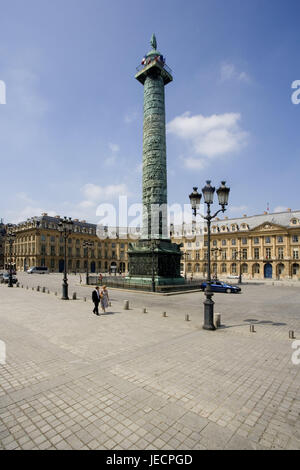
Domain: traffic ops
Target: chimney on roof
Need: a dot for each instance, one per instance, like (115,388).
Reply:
(83,221)
(44,214)
(265,213)
(76,220)
(289,210)
(57,217)
(244,215)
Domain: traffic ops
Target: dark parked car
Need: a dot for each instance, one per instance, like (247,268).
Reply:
(6,278)
(218,286)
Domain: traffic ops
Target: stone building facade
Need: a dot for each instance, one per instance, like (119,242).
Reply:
(39,243)
(2,243)
(265,246)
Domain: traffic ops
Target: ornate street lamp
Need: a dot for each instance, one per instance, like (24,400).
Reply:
(195,199)
(87,244)
(11,239)
(65,227)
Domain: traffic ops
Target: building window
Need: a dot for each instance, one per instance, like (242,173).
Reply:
(233,268)
(256,253)
(223,268)
(268,239)
(43,249)
(214,242)
(280,239)
(295,238)
(280,253)
(52,263)
(295,269)
(52,251)
(43,263)
(224,242)
(244,241)
(268,253)
(234,254)
(52,239)
(256,269)
(256,240)
(295,253)
(78,264)
(233,241)
(197,255)
(224,254)
(69,251)
(205,243)
(43,238)
(245,253)
(245,268)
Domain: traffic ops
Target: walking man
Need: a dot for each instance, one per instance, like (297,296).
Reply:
(96,300)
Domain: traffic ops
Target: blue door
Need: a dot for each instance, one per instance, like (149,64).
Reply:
(93,267)
(268,271)
(61,265)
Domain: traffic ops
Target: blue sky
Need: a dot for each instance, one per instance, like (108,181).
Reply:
(71,128)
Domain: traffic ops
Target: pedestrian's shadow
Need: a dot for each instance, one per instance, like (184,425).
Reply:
(109,313)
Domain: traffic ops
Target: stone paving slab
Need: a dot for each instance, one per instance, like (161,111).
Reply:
(128,380)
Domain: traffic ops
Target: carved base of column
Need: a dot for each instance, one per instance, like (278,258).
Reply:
(163,261)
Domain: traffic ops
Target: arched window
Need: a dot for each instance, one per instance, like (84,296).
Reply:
(224,268)
(244,268)
(233,268)
(295,269)
(197,268)
(256,268)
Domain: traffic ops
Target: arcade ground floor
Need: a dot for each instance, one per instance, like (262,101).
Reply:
(255,269)
(279,269)
(73,265)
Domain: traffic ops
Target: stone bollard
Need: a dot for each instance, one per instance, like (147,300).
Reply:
(22,286)
(292,334)
(74,296)
(26,287)
(217,320)
(38,289)
(144,310)
(126,304)
(187,317)
(48,291)
(18,284)
(84,299)
(32,288)
(164,314)
(44,290)
(55,293)
(252,330)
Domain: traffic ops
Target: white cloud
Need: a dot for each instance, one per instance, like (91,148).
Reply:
(97,194)
(229,72)
(114,147)
(210,137)
(280,209)
(131,117)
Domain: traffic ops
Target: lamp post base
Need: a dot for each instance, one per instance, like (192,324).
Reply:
(208,312)
(65,292)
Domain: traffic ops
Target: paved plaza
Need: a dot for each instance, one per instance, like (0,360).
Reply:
(133,380)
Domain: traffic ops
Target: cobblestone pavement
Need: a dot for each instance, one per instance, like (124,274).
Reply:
(129,380)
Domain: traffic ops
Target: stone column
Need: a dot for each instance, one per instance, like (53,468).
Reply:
(154,158)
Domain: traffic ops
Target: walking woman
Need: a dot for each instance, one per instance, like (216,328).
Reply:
(104,298)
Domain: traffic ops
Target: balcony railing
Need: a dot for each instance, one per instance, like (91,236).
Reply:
(164,66)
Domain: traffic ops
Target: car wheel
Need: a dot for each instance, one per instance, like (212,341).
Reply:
(228,291)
